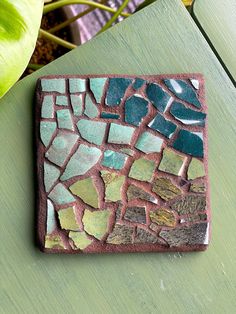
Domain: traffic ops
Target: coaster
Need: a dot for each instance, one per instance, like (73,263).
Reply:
(122,163)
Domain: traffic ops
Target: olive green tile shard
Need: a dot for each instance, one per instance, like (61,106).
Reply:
(53,241)
(47,110)
(47,129)
(92,131)
(121,234)
(197,187)
(113,185)
(189,204)
(195,169)
(97,87)
(77,85)
(51,219)
(82,161)
(61,147)
(67,219)
(114,160)
(135,192)
(80,239)
(163,217)
(171,162)
(96,223)
(127,151)
(51,174)
(165,188)
(61,100)
(120,134)
(142,169)
(64,119)
(54,85)
(60,195)
(77,104)
(144,236)
(91,109)
(136,214)
(86,190)
(149,143)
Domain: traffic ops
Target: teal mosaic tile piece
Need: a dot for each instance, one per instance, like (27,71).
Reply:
(61,100)
(54,85)
(109,115)
(158,96)
(51,219)
(60,195)
(97,87)
(47,129)
(149,143)
(51,174)
(77,104)
(91,109)
(114,160)
(138,83)
(116,90)
(120,134)
(64,119)
(81,162)
(77,85)
(183,91)
(162,125)
(92,131)
(61,147)
(47,110)
(186,115)
(136,108)
(190,143)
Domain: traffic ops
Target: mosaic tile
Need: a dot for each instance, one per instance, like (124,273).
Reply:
(121,164)
(136,108)
(162,125)
(183,91)
(149,143)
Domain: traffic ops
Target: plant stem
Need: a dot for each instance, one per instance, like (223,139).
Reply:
(56,5)
(114,17)
(34,66)
(56,39)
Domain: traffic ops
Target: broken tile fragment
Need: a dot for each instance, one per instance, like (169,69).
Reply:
(114,160)
(121,234)
(51,219)
(197,187)
(127,151)
(77,85)
(113,185)
(135,192)
(135,214)
(96,223)
(97,87)
(77,104)
(47,110)
(64,119)
(109,115)
(186,115)
(47,129)
(136,108)
(165,188)
(54,85)
(60,195)
(120,134)
(162,125)
(195,83)
(196,217)
(116,90)
(195,169)
(53,241)
(163,217)
(61,147)
(91,109)
(144,236)
(190,143)
(142,169)
(149,143)
(171,162)
(67,219)
(86,190)
(61,100)
(80,239)
(51,174)
(82,161)
(92,131)
(158,96)
(138,83)
(189,204)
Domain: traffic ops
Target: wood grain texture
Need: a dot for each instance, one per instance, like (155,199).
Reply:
(218,20)
(159,39)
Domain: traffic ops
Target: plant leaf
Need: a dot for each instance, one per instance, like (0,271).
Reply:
(19,25)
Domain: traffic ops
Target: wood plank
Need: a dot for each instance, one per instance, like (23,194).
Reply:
(162,38)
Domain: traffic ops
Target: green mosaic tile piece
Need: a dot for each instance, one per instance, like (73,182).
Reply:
(47,110)
(86,190)
(149,143)
(60,195)
(67,219)
(51,219)
(91,109)
(120,134)
(61,147)
(145,236)
(80,239)
(114,160)
(142,169)
(113,185)
(121,234)
(54,85)
(135,192)
(81,162)
(96,223)
(138,83)
(165,188)
(197,187)
(162,125)
(158,96)
(136,108)
(195,169)
(127,151)
(190,143)
(171,162)
(51,174)
(64,119)
(92,131)
(77,85)
(186,115)
(116,90)
(97,87)
(135,214)
(109,115)
(47,129)
(61,100)
(77,104)
(163,217)
(53,241)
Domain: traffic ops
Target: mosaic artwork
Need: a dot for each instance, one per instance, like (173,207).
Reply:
(122,163)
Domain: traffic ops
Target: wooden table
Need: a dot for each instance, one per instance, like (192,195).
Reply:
(163,38)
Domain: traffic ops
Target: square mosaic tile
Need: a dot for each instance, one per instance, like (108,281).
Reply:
(122,163)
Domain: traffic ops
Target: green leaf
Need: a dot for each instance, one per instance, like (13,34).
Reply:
(19,25)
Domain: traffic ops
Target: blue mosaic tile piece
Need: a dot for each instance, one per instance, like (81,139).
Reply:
(183,91)
(149,143)
(190,143)
(186,115)
(136,108)
(160,124)
(62,100)
(109,115)
(120,134)
(47,129)
(159,98)
(77,85)
(138,83)
(91,109)
(64,119)
(77,104)
(54,85)
(97,87)
(114,160)
(47,110)
(92,131)
(116,90)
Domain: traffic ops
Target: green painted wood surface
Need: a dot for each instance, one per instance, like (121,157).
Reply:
(159,39)
(218,20)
